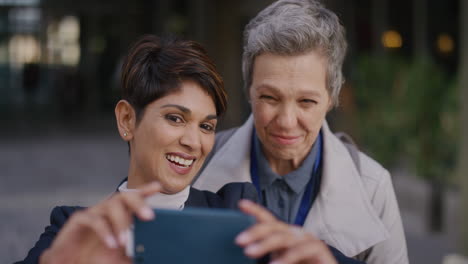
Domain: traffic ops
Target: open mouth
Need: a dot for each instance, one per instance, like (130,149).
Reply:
(179,161)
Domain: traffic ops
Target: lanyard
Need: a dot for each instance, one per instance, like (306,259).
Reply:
(307,196)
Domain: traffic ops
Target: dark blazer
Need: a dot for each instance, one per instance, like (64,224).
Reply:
(226,197)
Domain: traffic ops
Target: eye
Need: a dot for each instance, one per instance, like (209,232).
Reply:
(308,102)
(268,98)
(209,128)
(174,118)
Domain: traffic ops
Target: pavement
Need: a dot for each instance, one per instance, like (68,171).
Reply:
(81,163)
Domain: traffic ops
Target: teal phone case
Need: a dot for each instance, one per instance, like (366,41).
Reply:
(193,235)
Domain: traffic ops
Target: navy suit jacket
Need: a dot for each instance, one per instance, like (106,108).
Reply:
(226,197)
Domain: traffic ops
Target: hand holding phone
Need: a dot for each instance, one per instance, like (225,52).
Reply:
(194,235)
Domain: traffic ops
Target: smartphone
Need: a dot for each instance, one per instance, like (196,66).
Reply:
(193,235)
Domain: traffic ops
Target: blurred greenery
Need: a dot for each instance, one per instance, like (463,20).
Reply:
(407,112)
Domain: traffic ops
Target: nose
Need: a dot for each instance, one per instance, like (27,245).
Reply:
(287,117)
(191,138)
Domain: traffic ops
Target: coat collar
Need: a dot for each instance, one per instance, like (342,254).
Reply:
(342,213)
(231,162)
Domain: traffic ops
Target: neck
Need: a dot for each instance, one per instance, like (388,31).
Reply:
(133,181)
(282,166)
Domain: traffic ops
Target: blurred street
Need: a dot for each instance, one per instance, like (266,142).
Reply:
(47,165)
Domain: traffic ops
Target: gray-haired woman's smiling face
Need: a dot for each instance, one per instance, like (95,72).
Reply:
(289,103)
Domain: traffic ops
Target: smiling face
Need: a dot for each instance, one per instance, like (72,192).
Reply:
(171,141)
(289,103)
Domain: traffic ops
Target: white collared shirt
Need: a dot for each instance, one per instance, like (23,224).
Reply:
(174,201)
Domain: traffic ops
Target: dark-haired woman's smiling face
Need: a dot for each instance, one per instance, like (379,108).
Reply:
(173,138)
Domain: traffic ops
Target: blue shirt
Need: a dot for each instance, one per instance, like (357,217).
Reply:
(283,194)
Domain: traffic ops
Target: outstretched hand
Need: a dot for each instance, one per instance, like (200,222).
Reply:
(286,243)
(99,234)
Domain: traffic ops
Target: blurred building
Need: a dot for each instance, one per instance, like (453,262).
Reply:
(62,56)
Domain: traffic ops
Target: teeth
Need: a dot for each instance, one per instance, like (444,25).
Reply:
(179,160)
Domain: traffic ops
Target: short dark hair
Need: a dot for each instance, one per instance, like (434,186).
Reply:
(155,67)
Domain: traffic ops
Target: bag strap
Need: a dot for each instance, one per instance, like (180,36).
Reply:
(352,149)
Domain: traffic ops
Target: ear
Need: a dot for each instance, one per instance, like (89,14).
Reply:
(331,105)
(126,119)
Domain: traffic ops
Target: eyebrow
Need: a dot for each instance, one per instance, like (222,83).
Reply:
(276,90)
(188,111)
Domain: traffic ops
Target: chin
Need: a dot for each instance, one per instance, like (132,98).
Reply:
(174,188)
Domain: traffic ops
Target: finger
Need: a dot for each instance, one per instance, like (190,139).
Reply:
(98,225)
(258,232)
(259,212)
(273,243)
(120,218)
(135,202)
(313,252)
(285,236)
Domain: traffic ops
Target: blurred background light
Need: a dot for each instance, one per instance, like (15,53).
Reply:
(63,38)
(392,39)
(19,2)
(69,29)
(24,49)
(445,43)
(70,55)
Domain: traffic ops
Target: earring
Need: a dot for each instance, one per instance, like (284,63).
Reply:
(125,134)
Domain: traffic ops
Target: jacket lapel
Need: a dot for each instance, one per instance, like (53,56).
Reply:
(231,162)
(342,213)
(195,199)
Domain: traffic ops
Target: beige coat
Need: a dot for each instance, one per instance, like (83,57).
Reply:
(353,211)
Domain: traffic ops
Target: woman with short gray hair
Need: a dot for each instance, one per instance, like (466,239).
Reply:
(296,27)
(293,56)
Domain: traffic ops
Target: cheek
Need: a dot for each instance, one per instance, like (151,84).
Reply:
(312,120)
(207,143)
(262,114)
(165,134)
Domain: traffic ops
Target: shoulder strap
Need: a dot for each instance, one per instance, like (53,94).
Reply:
(352,149)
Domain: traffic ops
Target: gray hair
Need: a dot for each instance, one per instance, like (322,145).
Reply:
(294,27)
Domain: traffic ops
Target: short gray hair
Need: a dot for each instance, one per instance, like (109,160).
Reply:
(294,27)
